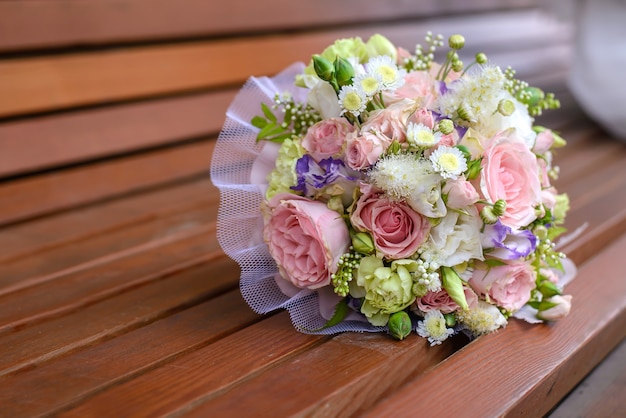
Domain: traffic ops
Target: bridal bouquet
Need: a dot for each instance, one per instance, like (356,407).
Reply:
(379,190)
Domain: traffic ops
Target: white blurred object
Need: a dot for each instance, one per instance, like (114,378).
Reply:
(599,65)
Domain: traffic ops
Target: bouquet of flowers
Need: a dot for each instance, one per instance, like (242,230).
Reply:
(377,190)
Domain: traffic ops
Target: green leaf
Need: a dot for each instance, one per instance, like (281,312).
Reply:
(258,122)
(494,263)
(268,113)
(453,284)
(341,310)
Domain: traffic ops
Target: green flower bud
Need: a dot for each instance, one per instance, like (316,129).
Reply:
(499,207)
(487,215)
(481,58)
(450,319)
(456,41)
(400,325)
(548,289)
(362,242)
(540,232)
(463,113)
(451,282)
(343,71)
(506,107)
(473,169)
(394,148)
(323,68)
(532,95)
(446,126)
(457,66)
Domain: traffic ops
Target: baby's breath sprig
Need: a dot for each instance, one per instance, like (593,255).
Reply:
(297,118)
(424,56)
(348,262)
(534,98)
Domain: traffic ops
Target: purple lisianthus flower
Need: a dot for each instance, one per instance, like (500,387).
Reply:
(313,177)
(506,243)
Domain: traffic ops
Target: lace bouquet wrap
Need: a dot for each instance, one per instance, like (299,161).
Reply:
(378,190)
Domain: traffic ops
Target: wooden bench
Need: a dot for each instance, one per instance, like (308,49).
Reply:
(115,298)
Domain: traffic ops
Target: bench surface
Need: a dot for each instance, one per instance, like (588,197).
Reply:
(115,298)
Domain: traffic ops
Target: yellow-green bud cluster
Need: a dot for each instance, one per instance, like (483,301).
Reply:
(535,99)
(348,262)
(424,56)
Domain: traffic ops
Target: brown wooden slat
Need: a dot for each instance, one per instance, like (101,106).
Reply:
(209,370)
(40,343)
(66,291)
(61,81)
(561,354)
(124,357)
(51,141)
(99,250)
(36,236)
(62,189)
(36,24)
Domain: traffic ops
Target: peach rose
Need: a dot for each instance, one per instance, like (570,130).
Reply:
(305,238)
(397,230)
(387,124)
(509,285)
(510,172)
(418,86)
(326,138)
(363,151)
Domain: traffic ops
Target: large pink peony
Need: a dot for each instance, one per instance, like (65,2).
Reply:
(326,138)
(305,238)
(396,228)
(510,172)
(509,285)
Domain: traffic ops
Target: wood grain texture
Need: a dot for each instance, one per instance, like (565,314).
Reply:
(111,317)
(38,24)
(123,358)
(561,354)
(44,234)
(52,141)
(62,189)
(64,81)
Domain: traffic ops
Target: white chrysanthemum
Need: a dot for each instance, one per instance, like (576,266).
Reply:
(475,96)
(448,162)
(369,83)
(482,318)
(434,328)
(421,136)
(352,100)
(392,77)
(399,175)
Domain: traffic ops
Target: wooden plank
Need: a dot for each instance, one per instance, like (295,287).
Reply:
(88,283)
(29,197)
(63,81)
(39,235)
(37,24)
(50,141)
(96,368)
(37,344)
(542,363)
(210,370)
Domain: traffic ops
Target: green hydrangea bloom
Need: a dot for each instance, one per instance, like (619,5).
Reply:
(284,175)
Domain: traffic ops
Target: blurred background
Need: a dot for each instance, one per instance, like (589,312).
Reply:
(87,82)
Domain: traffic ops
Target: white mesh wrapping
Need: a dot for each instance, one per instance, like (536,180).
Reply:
(239,169)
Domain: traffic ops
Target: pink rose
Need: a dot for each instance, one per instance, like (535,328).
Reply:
(387,124)
(543,141)
(325,138)
(561,310)
(461,193)
(363,151)
(397,230)
(418,86)
(509,285)
(510,172)
(305,238)
(442,301)
(423,116)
